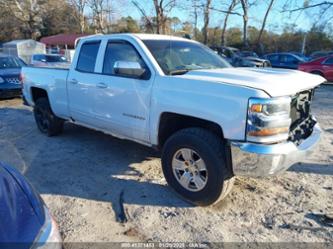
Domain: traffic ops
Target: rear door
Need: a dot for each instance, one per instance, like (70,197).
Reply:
(288,61)
(82,81)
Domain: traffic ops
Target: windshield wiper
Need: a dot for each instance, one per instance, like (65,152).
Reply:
(179,71)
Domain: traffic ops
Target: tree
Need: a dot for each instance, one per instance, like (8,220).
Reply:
(245,7)
(324,8)
(101,15)
(60,17)
(9,26)
(206,20)
(225,22)
(80,6)
(126,25)
(174,22)
(28,14)
(148,23)
(162,9)
(270,5)
(196,6)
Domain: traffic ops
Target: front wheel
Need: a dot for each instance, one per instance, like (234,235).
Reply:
(194,165)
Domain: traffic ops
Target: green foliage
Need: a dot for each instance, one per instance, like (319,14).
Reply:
(126,25)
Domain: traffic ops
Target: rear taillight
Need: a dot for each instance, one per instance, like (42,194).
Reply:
(21,78)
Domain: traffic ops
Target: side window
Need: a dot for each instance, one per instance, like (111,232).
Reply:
(87,57)
(120,51)
(329,61)
(273,57)
(284,58)
(37,58)
(288,59)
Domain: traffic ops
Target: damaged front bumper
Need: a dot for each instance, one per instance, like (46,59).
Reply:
(256,160)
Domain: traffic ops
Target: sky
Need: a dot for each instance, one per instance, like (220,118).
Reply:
(275,22)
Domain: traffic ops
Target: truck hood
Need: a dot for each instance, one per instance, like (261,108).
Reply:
(275,82)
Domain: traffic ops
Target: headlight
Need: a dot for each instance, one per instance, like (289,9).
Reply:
(2,80)
(268,120)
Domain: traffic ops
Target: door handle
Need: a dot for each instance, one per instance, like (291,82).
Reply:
(101,85)
(74,81)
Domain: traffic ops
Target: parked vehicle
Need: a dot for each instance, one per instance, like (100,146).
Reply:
(319,54)
(25,220)
(248,54)
(284,60)
(10,69)
(238,59)
(254,58)
(303,56)
(49,60)
(210,120)
(322,66)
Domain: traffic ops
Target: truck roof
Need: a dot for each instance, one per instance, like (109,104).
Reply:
(139,36)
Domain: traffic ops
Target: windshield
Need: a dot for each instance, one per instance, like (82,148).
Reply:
(55,58)
(10,62)
(179,57)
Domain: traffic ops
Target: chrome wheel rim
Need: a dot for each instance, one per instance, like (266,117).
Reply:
(189,169)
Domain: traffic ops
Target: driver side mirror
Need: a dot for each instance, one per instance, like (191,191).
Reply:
(129,69)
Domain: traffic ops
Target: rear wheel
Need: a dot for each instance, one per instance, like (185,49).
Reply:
(194,165)
(46,121)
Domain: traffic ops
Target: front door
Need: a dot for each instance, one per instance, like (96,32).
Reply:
(123,102)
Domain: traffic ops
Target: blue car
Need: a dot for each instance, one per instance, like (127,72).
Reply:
(284,60)
(25,222)
(10,69)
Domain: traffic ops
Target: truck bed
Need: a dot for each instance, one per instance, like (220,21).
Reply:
(53,81)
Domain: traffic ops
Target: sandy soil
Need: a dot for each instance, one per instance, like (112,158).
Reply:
(104,189)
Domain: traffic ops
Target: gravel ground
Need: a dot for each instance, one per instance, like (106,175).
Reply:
(100,188)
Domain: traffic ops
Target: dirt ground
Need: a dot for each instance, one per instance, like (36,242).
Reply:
(100,188)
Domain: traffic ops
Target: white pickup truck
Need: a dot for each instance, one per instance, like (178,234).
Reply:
(212,121)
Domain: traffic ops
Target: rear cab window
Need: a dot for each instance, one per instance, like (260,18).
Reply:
(87,57)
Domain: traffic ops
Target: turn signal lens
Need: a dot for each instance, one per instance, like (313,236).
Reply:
(269,132)
(256,108)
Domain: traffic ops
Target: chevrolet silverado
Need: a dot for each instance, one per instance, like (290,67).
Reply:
(211,121)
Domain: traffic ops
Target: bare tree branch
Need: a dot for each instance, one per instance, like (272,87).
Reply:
(329,3)
(229,12)
(148,22)
(206,20)
(264,21)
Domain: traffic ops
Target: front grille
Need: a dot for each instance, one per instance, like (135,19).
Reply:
(302,122)
(13,80)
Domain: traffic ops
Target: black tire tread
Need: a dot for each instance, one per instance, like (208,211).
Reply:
(217,145)
(55,124)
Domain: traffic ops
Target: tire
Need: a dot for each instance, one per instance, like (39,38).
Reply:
(46,121)
(187,177)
